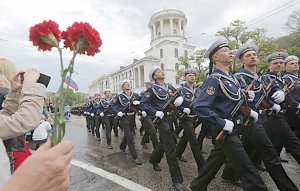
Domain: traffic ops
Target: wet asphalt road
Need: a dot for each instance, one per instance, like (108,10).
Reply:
(96,154)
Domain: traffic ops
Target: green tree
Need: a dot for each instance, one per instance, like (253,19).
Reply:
(238,34)
(198,59)
(266,47)
(293,22)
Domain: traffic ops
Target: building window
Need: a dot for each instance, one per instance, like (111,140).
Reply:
(162,66)
(161,53)
(177,81)
(175,32)
(176,66)
(130,74)
(176,52)
(186,53)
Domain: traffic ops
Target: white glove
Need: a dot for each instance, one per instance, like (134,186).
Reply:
(254,115)
(92,114)
(278,96)
(187,110)
(276,108)
(120,114)
(101,114)
(228,126)
(136,102)
(84,112)
(178,101)
(298,106)
(88,113)
(144,114)
(159,114)
(251,96)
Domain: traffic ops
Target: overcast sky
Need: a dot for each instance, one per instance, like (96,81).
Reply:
(123,27)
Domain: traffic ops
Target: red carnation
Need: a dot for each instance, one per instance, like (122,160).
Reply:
(45,35)
(82,38)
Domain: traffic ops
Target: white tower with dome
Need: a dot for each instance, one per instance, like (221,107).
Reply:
(168,43)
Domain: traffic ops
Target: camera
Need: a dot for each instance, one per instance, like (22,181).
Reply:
(44,79)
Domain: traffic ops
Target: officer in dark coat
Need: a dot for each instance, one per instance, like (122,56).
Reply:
(188,119)
(156,102)
(254,136)
(218,97)
(291,78)
(276,126)
(125,105)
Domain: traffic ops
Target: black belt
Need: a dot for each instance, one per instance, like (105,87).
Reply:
(168,113)
(131,113)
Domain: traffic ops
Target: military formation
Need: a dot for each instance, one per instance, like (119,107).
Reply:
(250,116)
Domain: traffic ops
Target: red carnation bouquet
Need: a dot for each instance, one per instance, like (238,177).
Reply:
(80,38)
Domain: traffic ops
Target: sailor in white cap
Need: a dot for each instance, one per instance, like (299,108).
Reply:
(218,97)
(188,119)
(247,54)
(107,116)
(291,78)
(125,105)
(284,135)
(156,101)
(95,119)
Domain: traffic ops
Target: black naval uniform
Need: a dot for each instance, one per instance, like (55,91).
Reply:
(108,118)
(123,103)
(96,121)
(255,138)
(218,96)
(149,129)
(188,123)
(276,126)
(153,100)
(293,101)
(86,112)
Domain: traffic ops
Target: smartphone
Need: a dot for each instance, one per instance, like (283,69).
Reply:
(22,77)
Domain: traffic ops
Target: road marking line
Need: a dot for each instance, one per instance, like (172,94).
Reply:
(110,176)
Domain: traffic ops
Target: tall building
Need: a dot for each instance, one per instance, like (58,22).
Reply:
(168,43)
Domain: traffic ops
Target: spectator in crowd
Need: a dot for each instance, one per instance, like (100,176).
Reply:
(49,168)
(40,134)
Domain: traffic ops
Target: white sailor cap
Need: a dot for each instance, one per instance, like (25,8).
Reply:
(217,45)
(291,58)
(125,81)
(152,72)
(107,90)
(245,48)
(190,71)
(275,56)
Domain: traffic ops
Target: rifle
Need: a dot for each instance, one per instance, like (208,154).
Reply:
(191,104)
(125,108)
(261,100)
(290,102)
(167,103)
(221,136)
